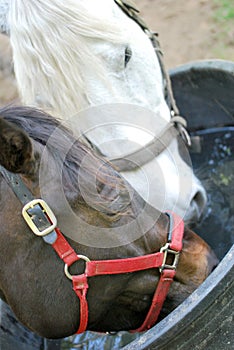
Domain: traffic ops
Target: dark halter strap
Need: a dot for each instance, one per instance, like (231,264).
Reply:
(152,149)
(18,187)
(131,11)
(42,222)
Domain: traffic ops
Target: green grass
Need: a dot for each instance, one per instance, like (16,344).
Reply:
(225,10)
(224,19)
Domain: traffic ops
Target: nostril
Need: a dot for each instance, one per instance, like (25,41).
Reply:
(197,204)
(200,201)
(199,198)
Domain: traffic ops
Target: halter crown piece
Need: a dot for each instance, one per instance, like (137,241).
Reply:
(42,222)
(129,8)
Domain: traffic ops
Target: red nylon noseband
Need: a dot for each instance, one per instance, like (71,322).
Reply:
(42,222)
(118,266)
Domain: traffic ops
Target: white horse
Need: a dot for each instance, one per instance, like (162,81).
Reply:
(88,56)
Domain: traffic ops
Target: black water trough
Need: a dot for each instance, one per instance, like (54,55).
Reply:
(204,321)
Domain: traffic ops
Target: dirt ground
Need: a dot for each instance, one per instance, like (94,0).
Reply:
(187,31)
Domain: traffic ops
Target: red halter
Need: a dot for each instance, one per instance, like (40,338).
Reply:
(118,266)
(43,223)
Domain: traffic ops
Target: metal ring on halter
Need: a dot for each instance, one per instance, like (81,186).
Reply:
(66,267)
(181,125)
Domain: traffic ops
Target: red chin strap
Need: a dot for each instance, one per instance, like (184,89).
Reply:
(119,266)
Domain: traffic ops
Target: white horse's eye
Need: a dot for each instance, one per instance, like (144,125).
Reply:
(128,55)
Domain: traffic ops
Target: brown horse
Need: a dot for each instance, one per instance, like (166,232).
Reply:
(104,218)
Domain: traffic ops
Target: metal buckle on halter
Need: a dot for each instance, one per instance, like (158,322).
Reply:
(47,217)
(166,250)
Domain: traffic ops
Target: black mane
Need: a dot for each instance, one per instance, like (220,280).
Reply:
(69,154)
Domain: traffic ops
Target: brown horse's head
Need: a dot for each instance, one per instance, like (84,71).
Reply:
(104,218)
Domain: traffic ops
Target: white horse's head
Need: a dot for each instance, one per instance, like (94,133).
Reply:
(71,55)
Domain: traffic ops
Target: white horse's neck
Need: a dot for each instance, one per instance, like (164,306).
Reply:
(74,56)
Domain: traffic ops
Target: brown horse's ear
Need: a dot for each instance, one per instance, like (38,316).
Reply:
(16,152)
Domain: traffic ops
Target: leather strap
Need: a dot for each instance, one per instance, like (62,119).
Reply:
(79,282)
(143,155)
(14,181)
(152,149)
(64,250)
(174,236)
(167,275)
(80,287)
(159,297)
(129,8)
(117,266)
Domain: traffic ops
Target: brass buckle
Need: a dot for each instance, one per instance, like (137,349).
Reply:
(46,209)
(166,250)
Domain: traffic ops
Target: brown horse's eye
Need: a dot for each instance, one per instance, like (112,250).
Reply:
(128,55)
